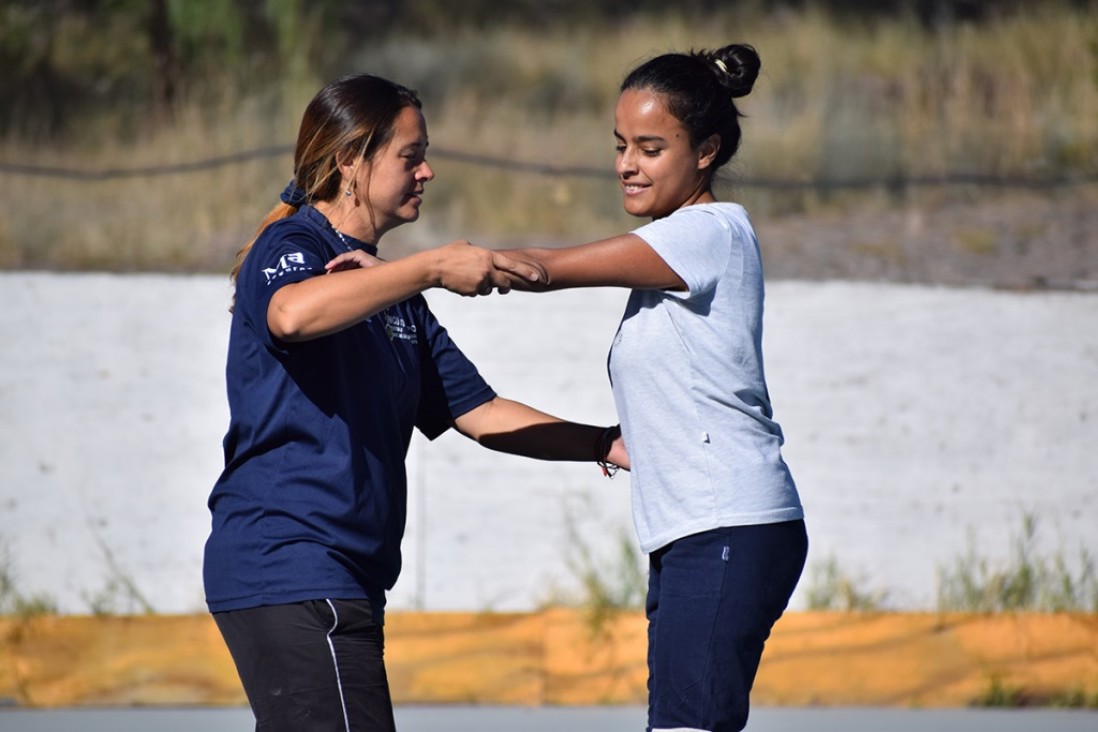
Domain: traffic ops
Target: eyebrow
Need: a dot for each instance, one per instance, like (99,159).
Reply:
(641,138)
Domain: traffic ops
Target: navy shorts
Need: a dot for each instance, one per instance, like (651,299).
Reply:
(712,599)
(311,666)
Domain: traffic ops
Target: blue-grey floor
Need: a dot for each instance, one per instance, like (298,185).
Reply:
(564,719)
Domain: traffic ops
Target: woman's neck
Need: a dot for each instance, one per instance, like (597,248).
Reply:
(346,222)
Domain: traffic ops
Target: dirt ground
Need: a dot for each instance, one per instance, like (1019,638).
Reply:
(958,237)
(558,657)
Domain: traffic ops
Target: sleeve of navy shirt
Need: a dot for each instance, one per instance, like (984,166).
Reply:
(451,384)
(290,254)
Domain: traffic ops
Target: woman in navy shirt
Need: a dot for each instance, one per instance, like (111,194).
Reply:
(330,367)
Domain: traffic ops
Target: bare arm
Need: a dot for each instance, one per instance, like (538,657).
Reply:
(320,306)
(513,427)
(620,261)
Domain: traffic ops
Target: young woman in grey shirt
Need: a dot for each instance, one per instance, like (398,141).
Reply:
(714,503)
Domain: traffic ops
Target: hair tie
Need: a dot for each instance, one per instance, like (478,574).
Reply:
(720,65)
(293,195)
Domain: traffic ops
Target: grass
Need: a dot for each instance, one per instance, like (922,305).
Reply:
(119,594)
(1027,581)
(976,241)
(999,693)
(1077,697)
(605,583)
(830,587)
(1016,96)
(13,601)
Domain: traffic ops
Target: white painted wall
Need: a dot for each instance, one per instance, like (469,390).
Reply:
(916,419)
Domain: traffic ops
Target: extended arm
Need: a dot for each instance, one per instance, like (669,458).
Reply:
(320,306)
(620,261)
(513,427)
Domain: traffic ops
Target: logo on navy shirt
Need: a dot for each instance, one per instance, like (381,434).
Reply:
(397,329)
(292,262)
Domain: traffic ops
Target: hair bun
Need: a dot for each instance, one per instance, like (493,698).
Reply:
(737,68)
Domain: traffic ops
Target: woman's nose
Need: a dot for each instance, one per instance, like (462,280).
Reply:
(624,165)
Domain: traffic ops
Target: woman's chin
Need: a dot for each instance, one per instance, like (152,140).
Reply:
(634,207)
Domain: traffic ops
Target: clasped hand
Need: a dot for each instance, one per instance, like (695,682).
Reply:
(460,267)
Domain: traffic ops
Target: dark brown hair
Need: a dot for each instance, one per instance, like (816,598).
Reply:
(699,87)
(353,115)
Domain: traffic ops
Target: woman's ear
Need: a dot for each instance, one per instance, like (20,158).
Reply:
(345,161)
(707,151)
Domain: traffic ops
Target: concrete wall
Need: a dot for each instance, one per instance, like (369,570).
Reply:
(919,422)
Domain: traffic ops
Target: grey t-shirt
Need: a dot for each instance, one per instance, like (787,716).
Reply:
(688,381)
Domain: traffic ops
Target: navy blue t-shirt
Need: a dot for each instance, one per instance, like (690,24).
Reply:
(313,498)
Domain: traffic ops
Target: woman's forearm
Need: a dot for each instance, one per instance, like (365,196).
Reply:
(620,261)
(518,429)
(329,303)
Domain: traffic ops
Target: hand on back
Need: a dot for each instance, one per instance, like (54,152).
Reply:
(357,259)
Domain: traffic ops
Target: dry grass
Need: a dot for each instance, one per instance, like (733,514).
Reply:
(1016,96)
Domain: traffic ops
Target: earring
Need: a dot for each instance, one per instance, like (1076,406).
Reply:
(347,192)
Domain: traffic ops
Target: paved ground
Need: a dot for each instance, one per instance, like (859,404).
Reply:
(504,719)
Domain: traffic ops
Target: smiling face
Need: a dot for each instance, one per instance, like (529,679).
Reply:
(659,168)
(389,187)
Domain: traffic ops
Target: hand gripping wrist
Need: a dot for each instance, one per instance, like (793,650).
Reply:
(602,450)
